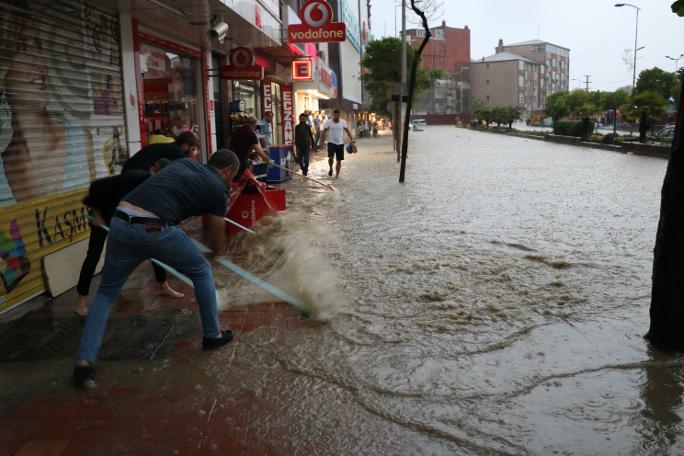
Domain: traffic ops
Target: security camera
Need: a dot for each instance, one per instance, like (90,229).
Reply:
(218,31)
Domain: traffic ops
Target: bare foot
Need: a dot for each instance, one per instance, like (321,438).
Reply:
(81,306)
(168,291)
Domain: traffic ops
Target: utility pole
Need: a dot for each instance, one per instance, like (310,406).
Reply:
(586,82)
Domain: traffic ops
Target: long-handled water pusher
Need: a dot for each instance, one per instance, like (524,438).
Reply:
(278,293)
(305,177)
(244,228)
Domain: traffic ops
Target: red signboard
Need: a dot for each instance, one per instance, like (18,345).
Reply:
(288,114)
(302,70)
(241,66)
(317,25)
(268,97)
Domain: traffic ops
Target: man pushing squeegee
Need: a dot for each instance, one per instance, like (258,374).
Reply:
(144,226)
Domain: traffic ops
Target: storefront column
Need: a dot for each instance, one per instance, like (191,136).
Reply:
(130,91)
(209,105)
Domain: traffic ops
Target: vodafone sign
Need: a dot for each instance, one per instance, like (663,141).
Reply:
(241,66)
(317,25)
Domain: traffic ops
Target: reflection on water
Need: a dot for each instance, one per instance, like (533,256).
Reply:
(661,393)
(493,303)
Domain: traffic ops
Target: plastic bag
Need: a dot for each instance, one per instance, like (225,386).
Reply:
(351,148)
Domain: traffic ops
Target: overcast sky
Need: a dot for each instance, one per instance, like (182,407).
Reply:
(595,31)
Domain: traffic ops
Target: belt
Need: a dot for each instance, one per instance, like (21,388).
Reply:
(142,220)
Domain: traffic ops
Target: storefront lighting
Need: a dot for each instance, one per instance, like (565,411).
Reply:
(317,94)
(302,70)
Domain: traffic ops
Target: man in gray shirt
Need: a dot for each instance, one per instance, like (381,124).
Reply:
(144,226)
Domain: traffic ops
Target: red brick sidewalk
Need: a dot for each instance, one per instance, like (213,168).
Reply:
(141,408)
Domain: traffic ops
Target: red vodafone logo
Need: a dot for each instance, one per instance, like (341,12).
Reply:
(317,25)
(241,57)
(241,66)
(316,13)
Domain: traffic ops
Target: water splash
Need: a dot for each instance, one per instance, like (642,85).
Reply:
(286,253)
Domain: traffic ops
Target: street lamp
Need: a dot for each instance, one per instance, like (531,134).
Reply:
(677,59)
(636,34)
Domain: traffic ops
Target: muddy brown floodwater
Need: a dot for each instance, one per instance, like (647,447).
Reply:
(494,303)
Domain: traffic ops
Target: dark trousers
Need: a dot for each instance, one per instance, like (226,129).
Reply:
(303,157)
(98,236)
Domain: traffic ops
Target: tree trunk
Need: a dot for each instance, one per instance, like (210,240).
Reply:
(396,131)
(667,296)
(643,127)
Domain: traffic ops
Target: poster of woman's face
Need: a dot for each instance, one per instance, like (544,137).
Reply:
(58,107)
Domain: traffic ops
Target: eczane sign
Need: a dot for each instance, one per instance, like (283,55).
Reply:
(317,25)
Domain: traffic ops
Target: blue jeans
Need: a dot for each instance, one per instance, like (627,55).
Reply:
(128,246)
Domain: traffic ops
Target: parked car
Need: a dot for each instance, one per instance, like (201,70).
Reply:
(666,131)
(417,124)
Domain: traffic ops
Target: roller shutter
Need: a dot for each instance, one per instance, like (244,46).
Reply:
(61,125)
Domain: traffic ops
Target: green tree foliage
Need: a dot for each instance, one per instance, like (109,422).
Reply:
(646,107)
(510,115)
(382,64)
(557,105)
(678,8)
(613,100)
(499,115)
(484,114)
(659,81)
(581,103)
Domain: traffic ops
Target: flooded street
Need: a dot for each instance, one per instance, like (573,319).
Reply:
(494,303)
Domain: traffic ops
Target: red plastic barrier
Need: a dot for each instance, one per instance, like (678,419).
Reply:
(250,207)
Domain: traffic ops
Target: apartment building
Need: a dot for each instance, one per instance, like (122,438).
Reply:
(522,75)
(448,50)
(554,61)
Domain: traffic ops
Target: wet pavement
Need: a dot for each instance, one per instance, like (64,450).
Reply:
(493,304)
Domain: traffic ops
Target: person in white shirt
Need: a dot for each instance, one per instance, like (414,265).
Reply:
(336,127)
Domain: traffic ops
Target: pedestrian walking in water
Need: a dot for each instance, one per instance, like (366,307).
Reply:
(336,128)
(317,131)
(144,226)
(102,199)
(304,141)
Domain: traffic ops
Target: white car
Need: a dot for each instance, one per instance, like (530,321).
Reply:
(416,124)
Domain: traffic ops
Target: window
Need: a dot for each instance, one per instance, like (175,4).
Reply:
(170,90)
(521,81)
(521,65)
(487,66)
(487,81)
(487,97)
(521,98)
(420,33)
(438,34)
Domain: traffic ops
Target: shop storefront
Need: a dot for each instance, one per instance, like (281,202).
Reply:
(273,101)
(169,76)
(61,95)
(323,86)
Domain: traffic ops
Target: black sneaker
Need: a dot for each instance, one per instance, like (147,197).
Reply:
(330,172)
(84,377)
(211,343)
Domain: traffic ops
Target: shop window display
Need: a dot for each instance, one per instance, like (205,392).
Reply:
(170,92)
